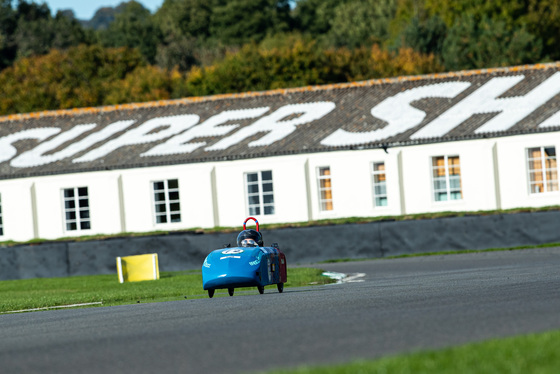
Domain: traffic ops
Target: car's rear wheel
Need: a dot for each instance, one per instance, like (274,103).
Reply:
(230,291)
(261,289)
(211,292)
(280,287)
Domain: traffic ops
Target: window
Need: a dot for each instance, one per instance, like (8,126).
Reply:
(446,174)
(325,189)
(379,184)
(166,201)
(1,222)
(543,172)
(260,194)
(76,209)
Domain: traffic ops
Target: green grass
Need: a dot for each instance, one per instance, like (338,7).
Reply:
(50,292)
(535,353)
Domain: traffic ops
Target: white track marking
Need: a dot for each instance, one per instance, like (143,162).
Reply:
(53,307)
(345,278)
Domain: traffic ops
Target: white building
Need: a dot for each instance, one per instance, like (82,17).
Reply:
(467,141)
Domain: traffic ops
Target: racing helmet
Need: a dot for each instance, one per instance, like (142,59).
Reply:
(250,238)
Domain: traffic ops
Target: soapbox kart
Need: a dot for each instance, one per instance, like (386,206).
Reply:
(244,266)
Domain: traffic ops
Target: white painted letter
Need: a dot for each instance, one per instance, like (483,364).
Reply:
(36,157)
(398,113)
(273,124)
(511,109)
(143,134)
(210,127)
(7,150)
(553,120)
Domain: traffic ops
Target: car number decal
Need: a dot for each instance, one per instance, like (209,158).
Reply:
(232,251)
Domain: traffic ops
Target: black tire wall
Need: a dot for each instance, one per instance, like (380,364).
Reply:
(184,251)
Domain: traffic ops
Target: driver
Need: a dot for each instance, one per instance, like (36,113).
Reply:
(250,238)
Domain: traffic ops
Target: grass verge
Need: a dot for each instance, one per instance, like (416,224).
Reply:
(457,252)
(35,293)
(534,353)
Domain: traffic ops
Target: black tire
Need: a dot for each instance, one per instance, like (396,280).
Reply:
(280,287)
(261,289)
(211,292)
(230,291)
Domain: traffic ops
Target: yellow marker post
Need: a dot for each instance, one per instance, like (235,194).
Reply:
(138,268)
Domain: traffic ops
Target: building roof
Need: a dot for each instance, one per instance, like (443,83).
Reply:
(370,114)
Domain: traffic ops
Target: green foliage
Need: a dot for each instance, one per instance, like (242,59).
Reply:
(487,43)
(178,51)
(425,36)
(185,29)
(8,24)
(296,64)
(299,61)
(147,83)
(81,76)
(218,46)
(31,30)
(236,22)
(190,18)
(543,21)
(133,27)
(358,23)
(314,16)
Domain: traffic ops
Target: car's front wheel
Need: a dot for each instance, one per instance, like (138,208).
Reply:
(211,292)
(280,287)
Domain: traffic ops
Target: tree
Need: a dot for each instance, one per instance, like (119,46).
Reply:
(488,43)
(375,62)
(185,28)
(177,51)
(357,23)
(102,18)
(425,36)
(236,22)
(314,16)
(31,30)
(133,27)
(68,32)
(188,18)
(543,21)
(8,23)
(146,83)
(295,61)
(79,77)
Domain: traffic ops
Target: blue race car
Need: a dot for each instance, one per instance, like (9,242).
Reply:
(250,264)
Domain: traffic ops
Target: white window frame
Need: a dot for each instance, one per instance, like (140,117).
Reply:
(1,218)
(260,207)
(548,183)
(82,223)
(447,178)
(374,174)
(171,216)
(325,204)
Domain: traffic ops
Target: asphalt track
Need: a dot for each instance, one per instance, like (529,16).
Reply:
(397,306)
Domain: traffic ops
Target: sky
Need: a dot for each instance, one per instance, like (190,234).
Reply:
(85,9)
